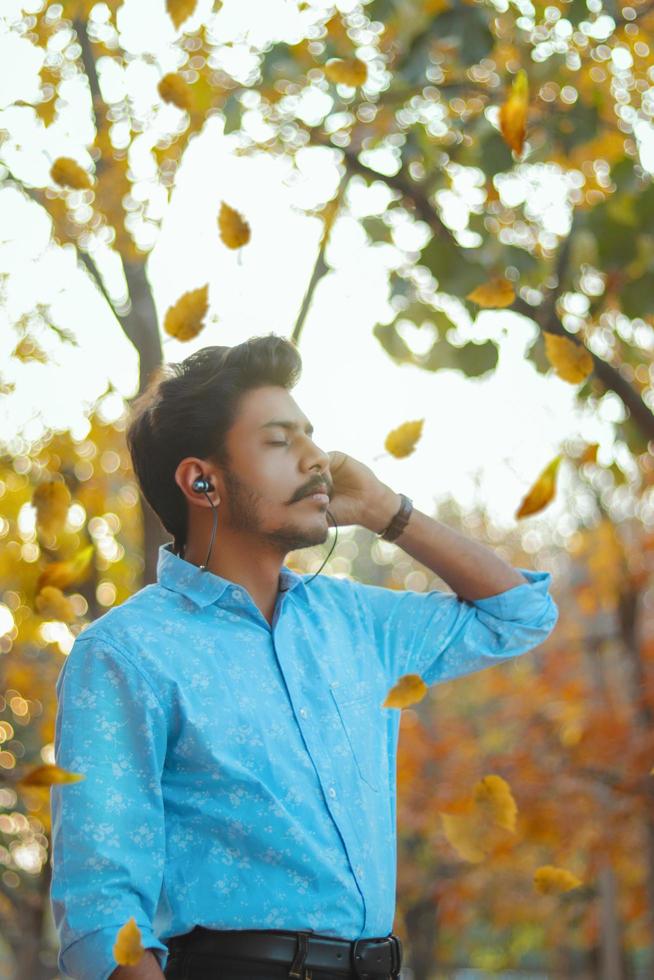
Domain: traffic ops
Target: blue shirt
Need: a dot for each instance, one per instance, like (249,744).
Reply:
(241,775)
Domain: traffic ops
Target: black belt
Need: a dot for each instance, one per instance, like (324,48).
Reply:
(301,951)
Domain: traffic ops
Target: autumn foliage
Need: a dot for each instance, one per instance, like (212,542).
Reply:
(526,793)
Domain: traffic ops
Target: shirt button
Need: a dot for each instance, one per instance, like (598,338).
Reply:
(237,594)
(303,712)
(331,791)
(360,871)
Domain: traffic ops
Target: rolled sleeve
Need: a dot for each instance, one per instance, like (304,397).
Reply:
(441,636)
(108,837)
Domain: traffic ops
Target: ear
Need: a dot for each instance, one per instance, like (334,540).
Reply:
(190,469)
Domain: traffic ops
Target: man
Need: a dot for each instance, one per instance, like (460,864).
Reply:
(239,789)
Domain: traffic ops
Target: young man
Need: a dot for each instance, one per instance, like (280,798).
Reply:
(239,787)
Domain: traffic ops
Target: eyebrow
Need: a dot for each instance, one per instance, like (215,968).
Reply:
(287,424)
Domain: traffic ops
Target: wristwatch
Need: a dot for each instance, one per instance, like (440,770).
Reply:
(400,520)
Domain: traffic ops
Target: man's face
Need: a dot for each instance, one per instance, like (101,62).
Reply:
(272,469)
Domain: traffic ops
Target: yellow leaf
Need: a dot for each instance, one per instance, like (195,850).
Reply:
(29,350)
(513,113)
(180,10)
(493,795)
(128,948)
(408,690)
(463,832)
(346,72)
(185,319)
(496,293)
(570,360)
(234,229)
(542,492)
(51,500)
(48,775)
(402,440)
(550,880)
(45,110)
(68,173)
(589,454)
(61,574)
(174,89)
(51,603)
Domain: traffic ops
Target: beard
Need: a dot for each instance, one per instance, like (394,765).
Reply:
(244,505)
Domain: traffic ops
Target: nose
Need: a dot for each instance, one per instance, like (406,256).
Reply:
(318,458)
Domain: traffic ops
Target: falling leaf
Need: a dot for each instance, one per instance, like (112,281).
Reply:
(61,574)
(51,500)
(29,350)
(68,173)
(180,10)
(174,89)
(465,833)
(542,492)
(346,72)
(185,319)
(570,359)
(234,229)
(550,880)
(474,831)
(128,948)
(496,293)
(589,454)
(408,690)
(48,775)
(513,113)
(51,603)
(493,794)
(402,441)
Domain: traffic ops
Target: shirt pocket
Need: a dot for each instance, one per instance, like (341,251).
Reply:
(362,722)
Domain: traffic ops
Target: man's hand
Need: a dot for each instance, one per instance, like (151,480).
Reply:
(146,969)
(358,496)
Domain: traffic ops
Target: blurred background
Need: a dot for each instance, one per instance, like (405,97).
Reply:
(448,206)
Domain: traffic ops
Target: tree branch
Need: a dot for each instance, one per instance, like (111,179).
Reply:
(88,60)
(320,266)
(606,373)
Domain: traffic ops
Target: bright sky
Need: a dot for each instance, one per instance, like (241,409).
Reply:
(486,440)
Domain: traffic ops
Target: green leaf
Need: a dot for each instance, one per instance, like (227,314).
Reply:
(232,114)
(469,26)
(477,359)
(578,124)
(616,240)
(448,262)
(637,296)
(377,229)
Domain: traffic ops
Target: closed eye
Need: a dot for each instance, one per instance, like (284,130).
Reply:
(278,444)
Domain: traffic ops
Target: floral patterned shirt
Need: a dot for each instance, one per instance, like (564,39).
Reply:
(241,775)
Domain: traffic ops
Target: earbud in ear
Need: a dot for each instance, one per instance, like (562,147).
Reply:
(201,484)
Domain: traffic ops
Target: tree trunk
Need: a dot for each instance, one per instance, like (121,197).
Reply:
(142,328)
(420,921)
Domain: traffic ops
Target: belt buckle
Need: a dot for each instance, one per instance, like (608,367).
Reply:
(396,956)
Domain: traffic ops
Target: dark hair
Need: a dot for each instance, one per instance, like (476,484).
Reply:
(188,408)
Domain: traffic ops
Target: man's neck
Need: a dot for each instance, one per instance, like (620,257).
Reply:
(255,569)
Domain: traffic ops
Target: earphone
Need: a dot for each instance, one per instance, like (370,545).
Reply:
(202,485)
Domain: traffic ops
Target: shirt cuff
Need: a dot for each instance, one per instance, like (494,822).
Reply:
(92,956)
(521,603)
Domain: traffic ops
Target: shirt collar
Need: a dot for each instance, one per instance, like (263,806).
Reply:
(205,587)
